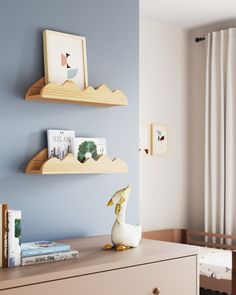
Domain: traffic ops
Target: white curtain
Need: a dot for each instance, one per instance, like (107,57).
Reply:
(220,133)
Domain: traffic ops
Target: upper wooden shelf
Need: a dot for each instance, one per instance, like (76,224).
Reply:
(70,93)
(40,164)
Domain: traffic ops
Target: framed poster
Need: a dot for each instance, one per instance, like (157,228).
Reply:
(65,58)
(159,139)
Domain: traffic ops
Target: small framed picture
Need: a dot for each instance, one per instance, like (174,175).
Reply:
(159,139)
(65,58)
(144,139)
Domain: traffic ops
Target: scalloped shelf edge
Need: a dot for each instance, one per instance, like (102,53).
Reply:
(70,93)
(40,164)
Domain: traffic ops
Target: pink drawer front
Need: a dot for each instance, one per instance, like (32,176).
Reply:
(171,277)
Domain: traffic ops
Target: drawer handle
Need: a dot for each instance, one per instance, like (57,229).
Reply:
(156,291)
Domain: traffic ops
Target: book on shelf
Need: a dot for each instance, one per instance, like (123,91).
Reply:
(14,238)
(85,148)
(42,248)
(50,257)
(60,143)
(3,235)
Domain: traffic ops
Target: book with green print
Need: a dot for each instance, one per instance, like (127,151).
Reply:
(14,238)
(85,148)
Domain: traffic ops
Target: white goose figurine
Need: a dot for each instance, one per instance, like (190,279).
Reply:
(123,235)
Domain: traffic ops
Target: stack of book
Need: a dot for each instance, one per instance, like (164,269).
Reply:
(10,237)
(13,253)
(46,251)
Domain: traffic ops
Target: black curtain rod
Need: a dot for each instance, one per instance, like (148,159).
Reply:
(200,39)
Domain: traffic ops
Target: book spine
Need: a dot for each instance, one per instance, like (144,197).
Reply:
(49,144)
(14,238)
(50,257)
(48,250)
(5,235)
(1,237)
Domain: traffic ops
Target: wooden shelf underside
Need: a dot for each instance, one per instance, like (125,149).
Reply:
(40,164)
(70,93)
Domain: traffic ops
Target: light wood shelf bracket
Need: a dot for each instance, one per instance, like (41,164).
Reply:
(40,164)
(70,93)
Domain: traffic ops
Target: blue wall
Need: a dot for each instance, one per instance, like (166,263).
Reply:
(66,206)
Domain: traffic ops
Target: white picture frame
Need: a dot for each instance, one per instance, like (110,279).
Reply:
(65,58)
(159,139)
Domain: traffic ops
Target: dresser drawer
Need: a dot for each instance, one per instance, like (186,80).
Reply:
(172,277)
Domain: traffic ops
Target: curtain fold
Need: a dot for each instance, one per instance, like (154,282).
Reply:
(220,129)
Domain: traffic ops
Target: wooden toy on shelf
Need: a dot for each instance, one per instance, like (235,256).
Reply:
(40,164)
(70,93)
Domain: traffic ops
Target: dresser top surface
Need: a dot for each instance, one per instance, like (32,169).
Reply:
(93,259)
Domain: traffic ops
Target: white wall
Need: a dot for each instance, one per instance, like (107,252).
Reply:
(164,68)
(172,91)
(197,109)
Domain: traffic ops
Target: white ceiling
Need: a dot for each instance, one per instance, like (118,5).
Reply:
(188,13)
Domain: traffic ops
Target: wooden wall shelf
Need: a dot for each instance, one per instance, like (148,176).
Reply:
(70,93)
(40,164)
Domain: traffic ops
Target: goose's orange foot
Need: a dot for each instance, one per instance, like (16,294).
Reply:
(108,247)
(121,247)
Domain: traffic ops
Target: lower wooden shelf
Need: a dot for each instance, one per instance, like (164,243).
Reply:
(40,164)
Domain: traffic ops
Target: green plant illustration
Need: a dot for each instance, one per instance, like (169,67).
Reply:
(87,148)
(18,229)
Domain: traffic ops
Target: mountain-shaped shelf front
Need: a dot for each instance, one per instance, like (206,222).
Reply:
(70,93)
(40,164)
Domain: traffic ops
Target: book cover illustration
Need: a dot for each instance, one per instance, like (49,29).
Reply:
(85,148)
(42,247)
(50,257)
(14,238)
(60,143)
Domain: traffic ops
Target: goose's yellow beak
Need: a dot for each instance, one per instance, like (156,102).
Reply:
(110,203)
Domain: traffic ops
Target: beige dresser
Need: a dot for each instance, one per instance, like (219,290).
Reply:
(154,267)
